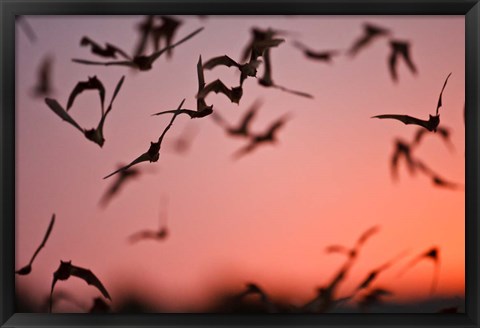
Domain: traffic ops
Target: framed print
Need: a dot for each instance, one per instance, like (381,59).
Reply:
(239,164)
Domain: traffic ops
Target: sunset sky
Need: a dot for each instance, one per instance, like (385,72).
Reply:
(267,217)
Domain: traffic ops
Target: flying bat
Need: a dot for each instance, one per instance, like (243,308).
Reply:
(93,83)
(430,125)
(269,136)
(158,235)
(140,62)
(28,268)
(217,86)
(443,132)
(122,178)
(94,134)
(436,179)
(432,254)
(353,252)
(66,270)
(44,78)
(243,128)
(166,31)
(370,34)
(376,272)
(400,49)
(153,153)
(261,41)
(266,79)
(107,51)
(324,56)
(402,150)
(247,69)
(145,29)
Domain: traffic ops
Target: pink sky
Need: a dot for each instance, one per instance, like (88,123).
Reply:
(267,217)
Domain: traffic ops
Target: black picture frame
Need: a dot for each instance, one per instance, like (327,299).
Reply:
(10,8)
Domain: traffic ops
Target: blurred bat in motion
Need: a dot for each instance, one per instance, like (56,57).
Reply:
(166,31)
(443,132)
(324,56)
(430,125)
(26,28)
(402,150)
(374,297)
(376,272)
(261,41)
(107,51)
(247,69)
(99,306)
(436,179)
(153,153)
(184,142)
(243,129)
(370,34)
(217,86)
(139,62)
(145,29)
(66,270)
(353,252)
(122,178)
(268,136)
(266,79)
(93,83)
(44,78)
(252,288)
(432,254)
(400,49)
(28,268)
(94,134)
(158,235)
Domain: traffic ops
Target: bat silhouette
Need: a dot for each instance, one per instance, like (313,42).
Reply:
(432,254)
(166,31)
(436,179)
(217,86)
(430,125)
(243,129)
(145,29)
(402,150)
(67,270)
(247,69)
(93,83)
(377,271)
(353,252)
(266,79)
(443,132)
(140,62)
(269,136)
(325,55)
(26,28)
(158,235)
(252,288)
(370,34)
(400,49)
(107,51)
(153,153)
(28,268)
(261,40)
(94,134)
(374,297)
(44,78)
(122,178)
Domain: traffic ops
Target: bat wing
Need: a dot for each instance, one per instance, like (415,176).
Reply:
(405,119)
(115,92)
(120,63)
(439,104)
(157,54)
(249,116)
(144,234)
(408,60)
(90,279)
(45,238)
(220,60)
(367,235)
(215,86)
(245,150)
(160,139)
(337,249)
(93,84)
(55,106)
(142,158)
(295,92)
(116,49)
(392,65)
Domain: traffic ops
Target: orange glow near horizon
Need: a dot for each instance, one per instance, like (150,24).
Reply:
(267,217)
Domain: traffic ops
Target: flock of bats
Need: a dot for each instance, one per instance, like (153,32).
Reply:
(159,32)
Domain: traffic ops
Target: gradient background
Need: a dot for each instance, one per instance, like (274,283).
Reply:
(267,217)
